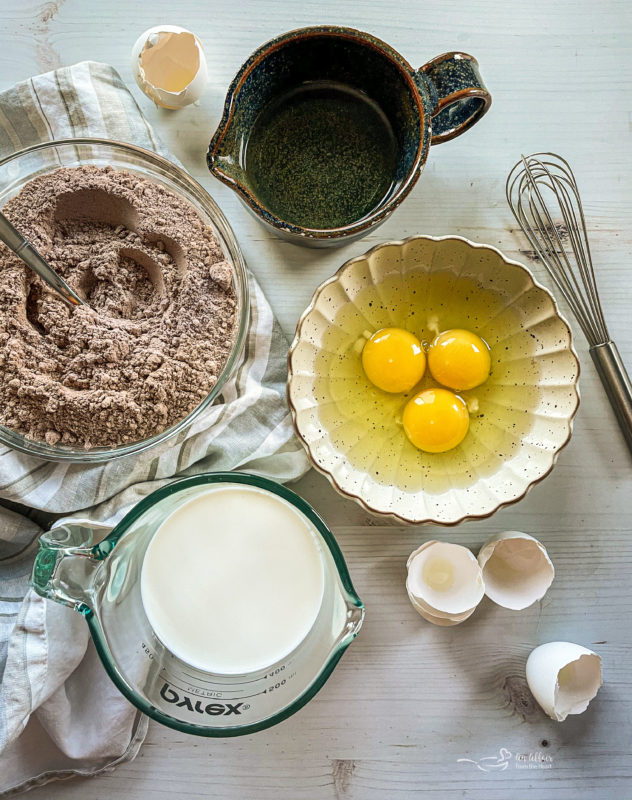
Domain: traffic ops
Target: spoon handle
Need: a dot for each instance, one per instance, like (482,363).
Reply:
(25,250)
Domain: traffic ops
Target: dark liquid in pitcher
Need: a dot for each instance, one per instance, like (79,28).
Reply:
(321,156)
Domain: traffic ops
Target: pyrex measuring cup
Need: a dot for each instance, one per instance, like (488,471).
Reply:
(102,582)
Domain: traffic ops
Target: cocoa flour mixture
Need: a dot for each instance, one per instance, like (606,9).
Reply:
(163,319)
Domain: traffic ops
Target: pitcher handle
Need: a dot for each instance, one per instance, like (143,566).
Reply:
(457,94)
(66,561)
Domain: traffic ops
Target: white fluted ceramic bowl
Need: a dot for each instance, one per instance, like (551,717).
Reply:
(521,418)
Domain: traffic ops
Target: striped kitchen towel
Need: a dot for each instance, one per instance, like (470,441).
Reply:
(59,713)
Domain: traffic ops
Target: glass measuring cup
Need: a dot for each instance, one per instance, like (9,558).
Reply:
(102,582)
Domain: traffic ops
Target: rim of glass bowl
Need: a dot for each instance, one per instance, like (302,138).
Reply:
(105,548)
(199,198)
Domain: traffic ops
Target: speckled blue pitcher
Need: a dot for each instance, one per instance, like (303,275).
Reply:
(326,130)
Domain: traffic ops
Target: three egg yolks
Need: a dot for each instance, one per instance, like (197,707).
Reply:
(434,420)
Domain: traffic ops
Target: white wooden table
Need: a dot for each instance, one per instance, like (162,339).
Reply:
(408,699)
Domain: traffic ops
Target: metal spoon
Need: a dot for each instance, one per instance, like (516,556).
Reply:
(25,250)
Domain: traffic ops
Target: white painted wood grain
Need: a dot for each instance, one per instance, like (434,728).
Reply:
(409,699)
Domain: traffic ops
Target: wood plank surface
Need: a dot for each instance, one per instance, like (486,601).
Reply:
(408,699)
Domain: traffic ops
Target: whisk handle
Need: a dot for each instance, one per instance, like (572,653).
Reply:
(617,384)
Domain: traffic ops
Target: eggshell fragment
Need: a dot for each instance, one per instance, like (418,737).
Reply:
(446,621)
(169,66)
(563,677)
(517,570)
(444,582)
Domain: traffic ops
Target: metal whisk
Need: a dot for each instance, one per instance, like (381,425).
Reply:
(557,233)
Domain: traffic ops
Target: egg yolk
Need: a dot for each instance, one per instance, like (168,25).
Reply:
(459,359)
(436,420)
(393,360)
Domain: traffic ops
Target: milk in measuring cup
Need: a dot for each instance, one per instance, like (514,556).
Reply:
(233,580)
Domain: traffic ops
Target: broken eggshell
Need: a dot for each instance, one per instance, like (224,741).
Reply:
(443,621)
(563,677)
(444,582)
(169,66)
(517,570)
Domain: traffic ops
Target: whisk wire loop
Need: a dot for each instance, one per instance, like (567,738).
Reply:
(562,246)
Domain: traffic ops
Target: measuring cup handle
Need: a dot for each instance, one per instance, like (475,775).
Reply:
(457,94)
(65,563)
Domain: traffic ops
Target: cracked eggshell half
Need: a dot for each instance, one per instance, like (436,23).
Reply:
(444,582)
(169,66)
(563,677)
(517,570)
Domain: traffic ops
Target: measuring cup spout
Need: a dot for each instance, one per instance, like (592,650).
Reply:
(66,562)
(355,618)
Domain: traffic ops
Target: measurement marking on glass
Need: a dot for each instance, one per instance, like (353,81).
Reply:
(220,683)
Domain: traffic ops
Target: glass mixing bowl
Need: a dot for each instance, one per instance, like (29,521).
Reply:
(21,167)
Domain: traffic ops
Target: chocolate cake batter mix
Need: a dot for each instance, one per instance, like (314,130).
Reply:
(162,316)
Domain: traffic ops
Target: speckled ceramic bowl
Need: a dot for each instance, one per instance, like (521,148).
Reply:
(520,418)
